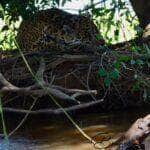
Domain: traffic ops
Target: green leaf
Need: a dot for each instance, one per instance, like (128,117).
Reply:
(117,64)
(139,62)
(107,82)
(114,74)
(99,37)
(135,48)
(124,58)
(116,32)
(136,87)
(102,73)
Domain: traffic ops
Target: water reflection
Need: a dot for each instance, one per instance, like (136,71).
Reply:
(59,134)
(17,144)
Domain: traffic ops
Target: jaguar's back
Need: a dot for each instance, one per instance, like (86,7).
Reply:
(52,27)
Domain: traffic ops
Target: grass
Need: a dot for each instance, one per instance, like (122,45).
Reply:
(2,120)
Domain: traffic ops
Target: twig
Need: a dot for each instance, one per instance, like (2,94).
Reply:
(23,120)
(88,76)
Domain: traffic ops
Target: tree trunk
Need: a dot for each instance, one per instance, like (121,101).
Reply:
(142,10)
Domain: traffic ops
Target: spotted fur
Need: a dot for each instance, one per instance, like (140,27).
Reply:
(54,27)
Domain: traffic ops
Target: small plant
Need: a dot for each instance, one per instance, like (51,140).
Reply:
(108,76)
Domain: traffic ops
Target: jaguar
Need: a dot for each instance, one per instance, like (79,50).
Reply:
(54,27)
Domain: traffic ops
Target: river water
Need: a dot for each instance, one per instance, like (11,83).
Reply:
(57,133)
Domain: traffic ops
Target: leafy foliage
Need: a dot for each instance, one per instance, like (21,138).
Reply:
(108,76)
(14,10)
(136,67)
(25,8)
(110,15)
(116,20)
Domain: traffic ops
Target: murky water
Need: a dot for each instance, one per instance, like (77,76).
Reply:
(57,133)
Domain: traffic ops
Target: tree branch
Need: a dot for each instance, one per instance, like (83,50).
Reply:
(58,111)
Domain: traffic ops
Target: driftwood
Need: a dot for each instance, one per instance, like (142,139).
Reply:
(133,139)
(138,131)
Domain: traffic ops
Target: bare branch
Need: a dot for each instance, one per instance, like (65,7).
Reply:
(46,89)
(40,71)
(5,83)
(58,111)
(71,91)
